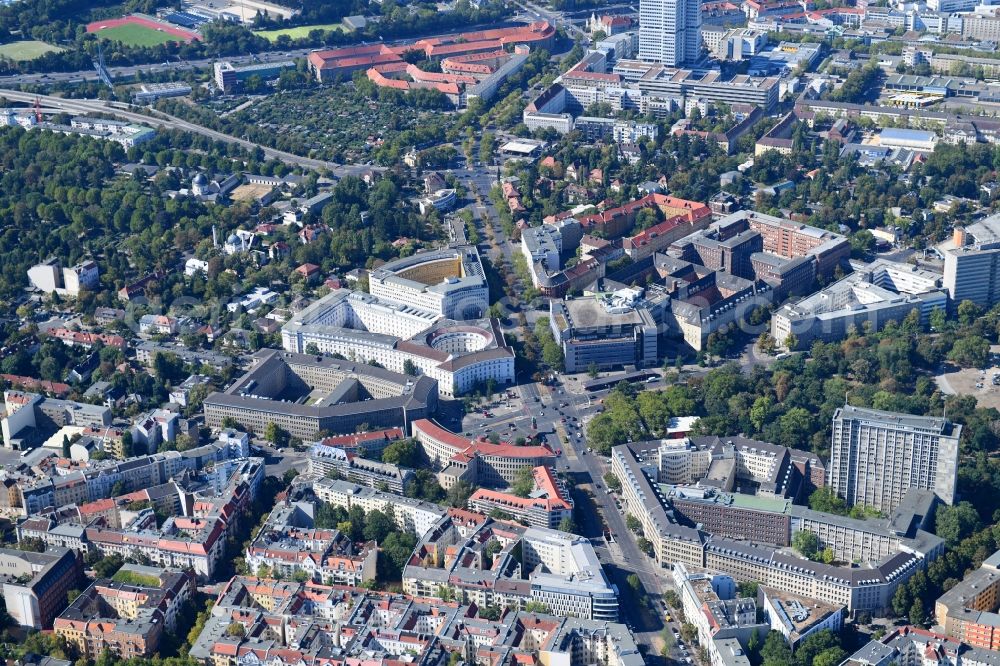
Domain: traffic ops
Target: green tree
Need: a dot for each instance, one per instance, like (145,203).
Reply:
(775,651)
(633,523)
(937,319)
(552,354)
(612,481)
(106,567)
(128,448)
(567,524)
(970,352)
(404,453)
(65,447)
(524,482)
(759,412)
(378,526)
(409,368)
(277,435)
(592,370)
(954,523)
(668,642)
(901,600)
(807,544)
(917,616)
(825,500)
(968,312)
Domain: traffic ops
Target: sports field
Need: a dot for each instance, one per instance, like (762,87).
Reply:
(298,32)
(26,50)
(136,35)
(139,30)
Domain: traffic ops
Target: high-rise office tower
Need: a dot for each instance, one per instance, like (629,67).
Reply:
(670,31)
(877,456)
(972,263)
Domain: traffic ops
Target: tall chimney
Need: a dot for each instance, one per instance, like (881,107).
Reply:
(959,236)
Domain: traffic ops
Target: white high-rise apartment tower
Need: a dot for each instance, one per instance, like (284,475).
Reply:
(875,456)
(670,31)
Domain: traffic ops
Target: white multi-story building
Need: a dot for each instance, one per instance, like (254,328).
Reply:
(872,295)
(448,282)
(403,337)
(670,31)
(574,584)
(877,456)
(410,514)
(51,277)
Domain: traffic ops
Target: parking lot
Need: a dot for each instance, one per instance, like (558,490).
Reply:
(983,383)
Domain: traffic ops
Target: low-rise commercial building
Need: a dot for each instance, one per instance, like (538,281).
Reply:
(796,617)
(230,77)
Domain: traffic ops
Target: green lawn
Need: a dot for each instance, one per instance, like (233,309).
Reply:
(299,32)
(26,50)
(135,578)
(132,34)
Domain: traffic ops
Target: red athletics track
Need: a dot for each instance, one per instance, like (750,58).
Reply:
(184,35)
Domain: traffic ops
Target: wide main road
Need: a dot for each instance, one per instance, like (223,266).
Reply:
(160,119)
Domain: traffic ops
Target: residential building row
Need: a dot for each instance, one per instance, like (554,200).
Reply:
(547,504)
(347,624)
(192,536)
(477,559)
(335,462)
(912,645)
(128,614)
(34,490)
(289,543)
